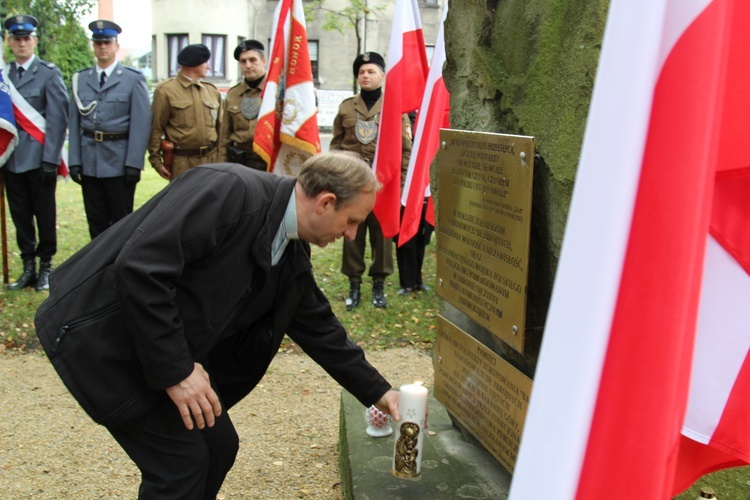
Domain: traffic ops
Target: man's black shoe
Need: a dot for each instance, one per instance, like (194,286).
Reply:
(27,278)
(352,300)
(422,288)
(42,283)
(378,295)
(406,291)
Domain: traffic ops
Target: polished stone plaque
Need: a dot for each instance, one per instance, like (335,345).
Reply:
(485,393)
(484,222)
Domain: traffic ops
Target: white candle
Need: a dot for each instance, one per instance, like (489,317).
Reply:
(407,450)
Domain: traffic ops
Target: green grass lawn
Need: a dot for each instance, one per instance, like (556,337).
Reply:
(407,320)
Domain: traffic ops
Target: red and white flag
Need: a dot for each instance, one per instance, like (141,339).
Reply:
(406,73)
(287,130)
(663,184)
(433,115)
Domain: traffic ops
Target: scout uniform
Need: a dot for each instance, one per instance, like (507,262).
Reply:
(187,113)
(240,117)
(109,129)
(355,129)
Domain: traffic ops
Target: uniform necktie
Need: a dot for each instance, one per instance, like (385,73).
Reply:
(20,72)
(102,79)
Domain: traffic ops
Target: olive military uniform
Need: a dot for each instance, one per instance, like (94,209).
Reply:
(187,113)
(238,123)
(345,138)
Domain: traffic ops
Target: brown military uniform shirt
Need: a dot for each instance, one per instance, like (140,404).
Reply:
(344,135)
(235,128)
(187,113)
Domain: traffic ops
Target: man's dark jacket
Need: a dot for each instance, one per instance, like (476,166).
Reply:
(130,313)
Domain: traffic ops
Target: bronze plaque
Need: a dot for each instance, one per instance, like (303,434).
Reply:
(481,390)
(484,224)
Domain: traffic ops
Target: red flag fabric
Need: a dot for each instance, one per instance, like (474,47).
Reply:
(405,81)
(611,389)
(287,130)
(8,130)
(433,114)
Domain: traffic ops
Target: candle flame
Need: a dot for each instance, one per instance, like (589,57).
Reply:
(418,382)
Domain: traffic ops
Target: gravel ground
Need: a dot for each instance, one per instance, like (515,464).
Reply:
(288,429)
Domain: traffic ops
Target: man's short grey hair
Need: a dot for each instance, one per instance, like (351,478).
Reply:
(339,172)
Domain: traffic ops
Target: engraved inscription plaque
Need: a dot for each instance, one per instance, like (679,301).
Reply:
(484,222)
(485,393)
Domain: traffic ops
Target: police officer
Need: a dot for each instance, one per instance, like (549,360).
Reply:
(186,113)
(31,171)
(241,107)
(110,118)
(355,129)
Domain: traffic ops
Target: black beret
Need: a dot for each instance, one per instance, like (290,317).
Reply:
(246,45)
(368,58)
(104,30)
(193,55)
(22,25)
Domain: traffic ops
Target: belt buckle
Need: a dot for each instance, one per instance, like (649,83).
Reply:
(202,150)
(98,136)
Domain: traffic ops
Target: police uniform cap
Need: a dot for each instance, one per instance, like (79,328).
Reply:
(193,55)
(104,30)
(21,25)
(368,58)
(246,45)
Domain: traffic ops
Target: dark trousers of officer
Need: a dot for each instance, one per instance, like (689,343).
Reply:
(29,199)
(410,255)
(106,201)
(353,261)
(176,462)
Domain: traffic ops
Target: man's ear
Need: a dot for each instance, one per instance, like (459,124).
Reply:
(325,199)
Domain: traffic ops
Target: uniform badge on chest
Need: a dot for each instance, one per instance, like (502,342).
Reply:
(366,132)
(250,107)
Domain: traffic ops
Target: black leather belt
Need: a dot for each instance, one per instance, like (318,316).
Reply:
(100,136)
(248,146)
(195,152)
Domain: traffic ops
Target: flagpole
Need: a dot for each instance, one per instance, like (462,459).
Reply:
(3,229)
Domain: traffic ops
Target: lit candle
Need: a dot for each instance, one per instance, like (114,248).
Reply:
(407,451)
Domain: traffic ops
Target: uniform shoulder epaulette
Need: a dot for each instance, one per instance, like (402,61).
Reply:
(47,63)
(134,70)
(209,83)
(237,84)
(349,98)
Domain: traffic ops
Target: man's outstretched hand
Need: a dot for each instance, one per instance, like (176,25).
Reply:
(196,400)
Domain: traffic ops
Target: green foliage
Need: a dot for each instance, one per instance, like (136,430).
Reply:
(62,40)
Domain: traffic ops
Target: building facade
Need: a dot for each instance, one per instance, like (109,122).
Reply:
(222,25)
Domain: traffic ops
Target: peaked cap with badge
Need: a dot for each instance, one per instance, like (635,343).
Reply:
(21,25)
(102,30)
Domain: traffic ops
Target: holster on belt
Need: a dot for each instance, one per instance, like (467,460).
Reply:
(167,153)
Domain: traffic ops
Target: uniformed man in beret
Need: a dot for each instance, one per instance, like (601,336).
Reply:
(355,129)
(186,114)
(31,171)
(110,119)
(241,107)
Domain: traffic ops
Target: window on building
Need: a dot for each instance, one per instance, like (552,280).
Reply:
(217,63)
(175,43)
(240,39)
(313,45)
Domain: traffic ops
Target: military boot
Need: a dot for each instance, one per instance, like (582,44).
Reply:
(42,283)
(27,278)
(378,295)
(352,300)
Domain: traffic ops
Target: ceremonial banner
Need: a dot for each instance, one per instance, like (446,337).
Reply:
(287,130)
(8,131)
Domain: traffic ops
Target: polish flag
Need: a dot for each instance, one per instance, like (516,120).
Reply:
(406,73)
(287,130)
(662,187)
(434,114)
